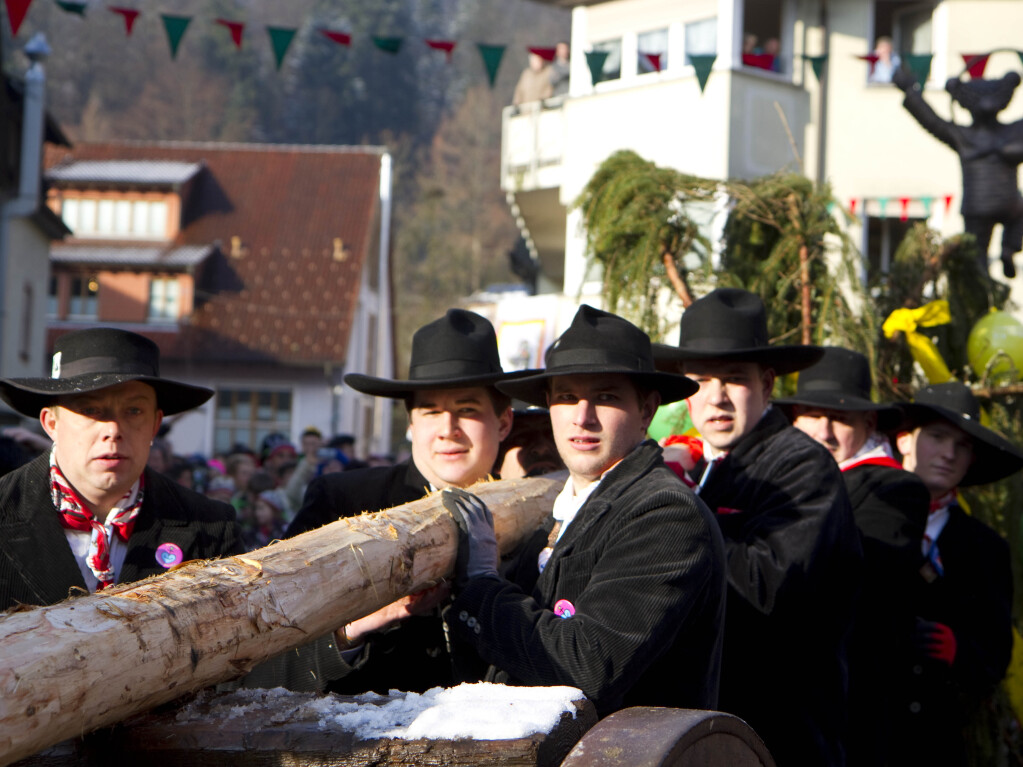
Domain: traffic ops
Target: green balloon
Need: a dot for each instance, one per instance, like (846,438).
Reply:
(670,419)
(995,348)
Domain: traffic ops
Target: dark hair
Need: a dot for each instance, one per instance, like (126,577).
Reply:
(498,400)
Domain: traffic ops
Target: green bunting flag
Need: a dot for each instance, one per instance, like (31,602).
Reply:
(175,27)
(388,44)
(492,55)
(817,64)
(595,61)
(69,6)
(920,65)
(927,202)
(280,39)
(1020,54)
(702,64)
(882,203)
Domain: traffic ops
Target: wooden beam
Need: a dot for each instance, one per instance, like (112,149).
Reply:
(90,662)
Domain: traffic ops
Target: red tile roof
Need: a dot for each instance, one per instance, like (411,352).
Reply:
(287,298)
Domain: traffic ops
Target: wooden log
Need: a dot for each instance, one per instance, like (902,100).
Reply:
(90,662)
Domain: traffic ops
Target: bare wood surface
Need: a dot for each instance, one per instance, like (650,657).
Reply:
(93,661)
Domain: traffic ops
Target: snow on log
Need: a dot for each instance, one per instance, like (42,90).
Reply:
(92,661)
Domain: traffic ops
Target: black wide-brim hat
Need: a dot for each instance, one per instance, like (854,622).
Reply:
(841,381)
(96,358)
(730,324)
(994,457)
(600,343)
(457,351)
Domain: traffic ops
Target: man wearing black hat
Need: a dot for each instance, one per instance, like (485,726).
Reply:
(832,405)
(457,420)
(89,513)
(963,596)
(793,552)
(630,601)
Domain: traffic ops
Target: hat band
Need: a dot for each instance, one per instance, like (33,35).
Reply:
(106,365)
(450,369)
(723,344)
(832,386)
(595,357)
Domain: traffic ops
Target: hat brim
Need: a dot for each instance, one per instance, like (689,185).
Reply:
(782,359)
(994,457)
(888,416)
(533,388)
(386,387)
(29,396)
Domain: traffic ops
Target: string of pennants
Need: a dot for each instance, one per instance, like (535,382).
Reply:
(903,202)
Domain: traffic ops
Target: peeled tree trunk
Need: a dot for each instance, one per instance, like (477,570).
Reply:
(90,662)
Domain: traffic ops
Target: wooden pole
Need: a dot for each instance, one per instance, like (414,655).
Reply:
(90,662)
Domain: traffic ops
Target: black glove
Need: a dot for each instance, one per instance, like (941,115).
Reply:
(477,544)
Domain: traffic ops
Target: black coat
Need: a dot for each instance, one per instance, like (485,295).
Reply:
(37,566)
(643,564)
(794,571)
(890,508)
(974,599)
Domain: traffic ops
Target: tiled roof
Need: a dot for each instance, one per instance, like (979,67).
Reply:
(144,172)
(132,255)
(284,296)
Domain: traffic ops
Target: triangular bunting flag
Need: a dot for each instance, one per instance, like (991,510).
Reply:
(1020,54)
(927,202)
(448,46)
(702,64)
(129,14)
(175,27)
(341,38)
(595,61)
(975,64)
(948,203)
(852,206)
(16,10)
(236,28)
(830,207)
(903,209)
(388,44)
(547,54)
(882,204)
(817,64)
(492,55)
(920,65)
(654,59)
(870,57)
(72,6)
(280,40)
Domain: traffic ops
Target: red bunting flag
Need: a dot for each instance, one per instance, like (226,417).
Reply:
(236,28)
(975,64)
(129,14)
(872,58)
(341,38)
(852,206)
(547,54)
(904,209)
(654,59)
(16,10)
(448,46)
(948,203)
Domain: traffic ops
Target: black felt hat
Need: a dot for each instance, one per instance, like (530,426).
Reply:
(599,343)
(994,457)
(731,324)
(457,351)
(93,359)
(841,381)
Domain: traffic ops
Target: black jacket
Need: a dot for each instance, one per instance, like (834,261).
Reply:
(36,563)
(794,570)
(643,565)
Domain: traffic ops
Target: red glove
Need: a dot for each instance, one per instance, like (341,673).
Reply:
(937,641)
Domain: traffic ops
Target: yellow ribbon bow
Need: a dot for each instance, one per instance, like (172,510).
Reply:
(920,346)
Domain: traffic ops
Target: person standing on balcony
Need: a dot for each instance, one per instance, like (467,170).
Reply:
(560,69)
(534,83)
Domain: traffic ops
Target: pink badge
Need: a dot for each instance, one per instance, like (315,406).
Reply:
(564,608)
(168,555)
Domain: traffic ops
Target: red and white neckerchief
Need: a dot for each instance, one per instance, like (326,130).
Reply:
(875,452)
(74,515)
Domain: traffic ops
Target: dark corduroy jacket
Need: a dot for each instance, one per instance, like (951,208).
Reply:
(36,563)
(643,565)
(794,571)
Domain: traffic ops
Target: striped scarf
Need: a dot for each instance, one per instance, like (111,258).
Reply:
(75,515)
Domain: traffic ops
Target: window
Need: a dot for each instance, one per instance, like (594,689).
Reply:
(652,51)
(884,235)
(88,217)
(84,296)
(164,299)
(701,38)
(761,35)
(53,299)
(246,416)
(612,69)
(25,352)
(900,28)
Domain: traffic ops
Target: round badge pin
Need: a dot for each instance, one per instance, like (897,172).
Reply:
(564,608)
(168,555)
